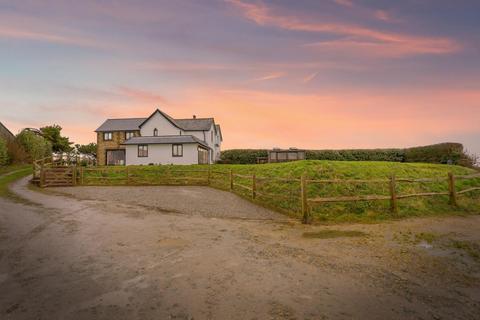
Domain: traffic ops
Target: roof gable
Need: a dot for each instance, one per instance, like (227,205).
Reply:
(166,116)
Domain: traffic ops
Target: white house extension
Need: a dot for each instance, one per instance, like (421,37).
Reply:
(158,139)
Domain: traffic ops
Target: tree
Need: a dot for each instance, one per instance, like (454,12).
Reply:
(59,143)
(4,159)
(36,146)
(90,149)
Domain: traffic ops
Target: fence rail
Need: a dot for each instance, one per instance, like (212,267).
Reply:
(250,184)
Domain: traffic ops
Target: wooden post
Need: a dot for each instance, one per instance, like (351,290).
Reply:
(303,190)
(127,175)
(209,175)
(42,176)
(393,194)
(81,176)
(74,175)
(231,180)
(451,189)
(254,186)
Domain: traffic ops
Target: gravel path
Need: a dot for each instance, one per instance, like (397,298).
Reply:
(189,200)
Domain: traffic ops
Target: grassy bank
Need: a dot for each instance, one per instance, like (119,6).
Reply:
(286,194)
(8,174)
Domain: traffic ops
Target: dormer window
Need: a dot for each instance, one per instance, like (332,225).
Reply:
(155,132)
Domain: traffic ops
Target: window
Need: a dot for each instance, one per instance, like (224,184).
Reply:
(155,132)
(177,150)
(107,136)
(211,135)
(129,134)
(115,157)
(142,150)
(202,156)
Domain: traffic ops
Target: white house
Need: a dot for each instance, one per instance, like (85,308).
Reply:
(158,139)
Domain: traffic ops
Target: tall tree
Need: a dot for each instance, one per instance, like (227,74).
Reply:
(54,135)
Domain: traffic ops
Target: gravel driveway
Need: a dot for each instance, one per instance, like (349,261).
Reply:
(188,200)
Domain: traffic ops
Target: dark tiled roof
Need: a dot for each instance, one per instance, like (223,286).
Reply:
(130,124)
(165,140)
(198,124)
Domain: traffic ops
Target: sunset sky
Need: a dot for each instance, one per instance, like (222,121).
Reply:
(311,74)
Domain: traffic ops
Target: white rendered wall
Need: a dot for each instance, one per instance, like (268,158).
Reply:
(162,154)
(164,127)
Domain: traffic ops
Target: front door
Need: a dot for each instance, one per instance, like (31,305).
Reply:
(115,158)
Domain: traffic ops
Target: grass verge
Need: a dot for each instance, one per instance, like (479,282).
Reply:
(11,174)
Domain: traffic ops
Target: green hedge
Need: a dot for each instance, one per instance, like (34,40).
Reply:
(4,159)
(438,153)
(242,156)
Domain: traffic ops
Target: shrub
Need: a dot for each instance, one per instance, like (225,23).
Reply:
(438,153)
(4,158)
(393,155)
(242,156)
(35,146)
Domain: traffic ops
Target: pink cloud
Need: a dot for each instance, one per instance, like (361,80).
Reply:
(271,76)
(142,96)
(310,77)
(345,3)
(18,33)
(382,15)
(409,44)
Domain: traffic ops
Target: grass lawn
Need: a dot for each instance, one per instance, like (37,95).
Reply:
(9,174)
(284,196)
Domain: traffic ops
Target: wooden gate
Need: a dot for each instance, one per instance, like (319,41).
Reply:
(58,176)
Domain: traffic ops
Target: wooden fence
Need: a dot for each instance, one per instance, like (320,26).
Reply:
(393,196)
(251,186)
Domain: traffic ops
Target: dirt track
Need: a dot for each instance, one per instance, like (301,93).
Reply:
(136,258)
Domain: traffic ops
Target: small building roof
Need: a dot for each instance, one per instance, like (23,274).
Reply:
(7,134)
(184,139)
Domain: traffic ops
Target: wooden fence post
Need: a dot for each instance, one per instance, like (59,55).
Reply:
(209,175)
(81,176)
(254,186)
(303,190)
(451,189)
(393,194)
(42,176)
(127,175)
(231,180)
(74,175)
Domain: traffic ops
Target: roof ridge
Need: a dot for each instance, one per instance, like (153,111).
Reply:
(125,118)
(195,118)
